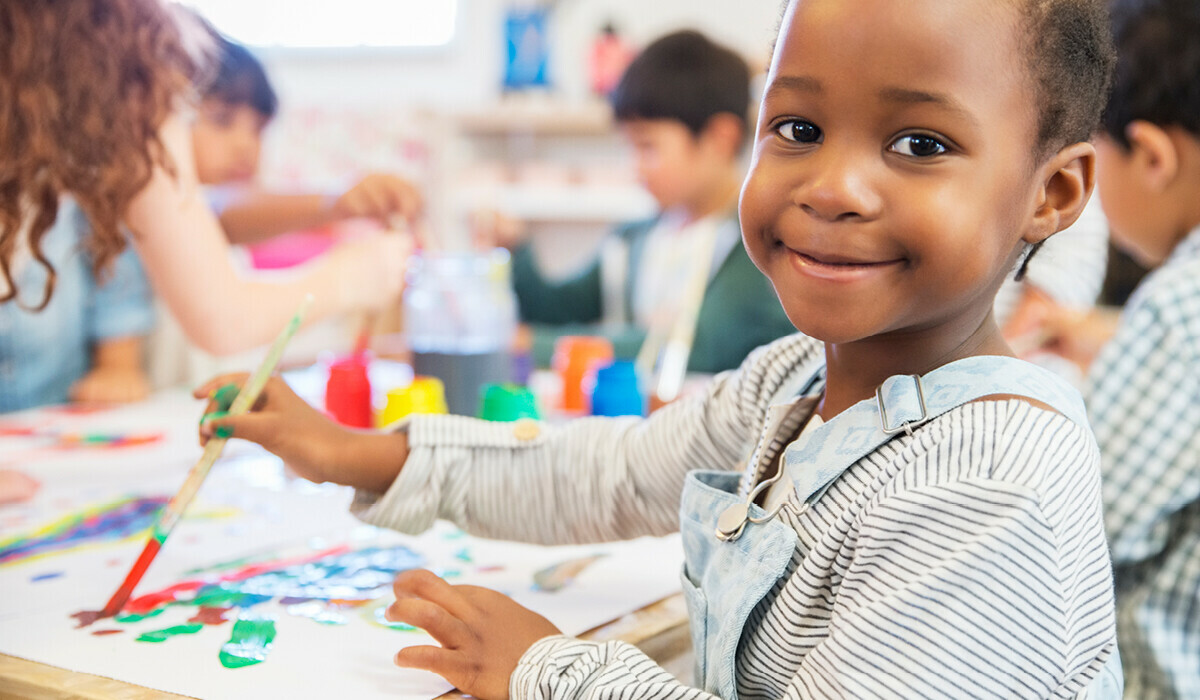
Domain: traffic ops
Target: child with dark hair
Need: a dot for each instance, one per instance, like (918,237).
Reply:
(237,105)
(682,105)
(1143,389)
(896,507)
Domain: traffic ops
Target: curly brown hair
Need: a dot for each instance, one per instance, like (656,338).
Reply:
(86,85)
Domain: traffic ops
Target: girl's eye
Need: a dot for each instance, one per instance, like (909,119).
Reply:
(799,131)
(919,146)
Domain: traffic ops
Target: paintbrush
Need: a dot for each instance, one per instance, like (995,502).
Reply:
(173,511)
(399,225)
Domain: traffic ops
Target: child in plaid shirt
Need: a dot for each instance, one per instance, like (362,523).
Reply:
(1143,390)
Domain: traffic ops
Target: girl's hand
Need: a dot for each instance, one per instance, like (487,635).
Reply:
(483,633)
(1079,337)
(16,487)
(370,270)
(308,441)
(380,196)
(280,421)
(111,385)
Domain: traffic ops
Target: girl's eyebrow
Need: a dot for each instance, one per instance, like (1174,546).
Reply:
(795,83)
(908,96)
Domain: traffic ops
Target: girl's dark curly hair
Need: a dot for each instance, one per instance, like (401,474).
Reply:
(86,85)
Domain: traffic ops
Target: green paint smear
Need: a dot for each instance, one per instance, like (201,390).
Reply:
(216,598)
(248,644)
(165,634)
(138,617)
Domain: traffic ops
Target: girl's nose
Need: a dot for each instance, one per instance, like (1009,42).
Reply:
(838,187)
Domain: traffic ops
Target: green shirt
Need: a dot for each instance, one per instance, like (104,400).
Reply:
(739,312)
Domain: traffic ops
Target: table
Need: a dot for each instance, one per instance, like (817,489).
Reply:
(659,629)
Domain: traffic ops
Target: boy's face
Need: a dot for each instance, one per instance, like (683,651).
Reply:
(673,164)
(226,140)
(1139,224)
(892,179)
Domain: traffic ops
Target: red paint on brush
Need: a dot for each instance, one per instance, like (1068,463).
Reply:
(119,598)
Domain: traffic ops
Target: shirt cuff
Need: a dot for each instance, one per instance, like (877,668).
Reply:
(441,448)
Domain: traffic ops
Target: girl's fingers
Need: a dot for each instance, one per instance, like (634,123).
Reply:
(206,389)
(448,630)
(255,427)
(424,584)
(444,662)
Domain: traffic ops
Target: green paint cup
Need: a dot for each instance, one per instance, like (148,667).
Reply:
(506,402)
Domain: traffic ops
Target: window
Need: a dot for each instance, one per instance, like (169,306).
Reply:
(332,23)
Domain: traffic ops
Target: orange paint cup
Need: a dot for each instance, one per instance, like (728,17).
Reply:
(575,357)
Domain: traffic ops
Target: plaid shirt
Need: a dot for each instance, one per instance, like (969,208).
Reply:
(1144,399)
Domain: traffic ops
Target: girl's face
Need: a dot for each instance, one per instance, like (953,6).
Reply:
(892,184)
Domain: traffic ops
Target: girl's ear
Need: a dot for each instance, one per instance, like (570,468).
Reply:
(1153,156)
(1067,181)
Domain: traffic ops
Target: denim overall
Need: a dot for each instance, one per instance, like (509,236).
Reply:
(735,552)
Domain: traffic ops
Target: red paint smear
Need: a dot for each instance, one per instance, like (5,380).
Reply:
(209,616)
(86,617)
(145,603)
(17,431)
(78,409)
(105,633)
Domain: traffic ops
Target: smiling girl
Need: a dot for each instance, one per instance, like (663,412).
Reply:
(897,507)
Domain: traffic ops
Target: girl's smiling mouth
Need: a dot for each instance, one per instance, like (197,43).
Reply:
(838,268)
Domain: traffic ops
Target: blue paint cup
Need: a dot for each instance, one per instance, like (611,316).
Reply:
(617,392)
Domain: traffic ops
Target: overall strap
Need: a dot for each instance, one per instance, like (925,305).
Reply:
(904,402)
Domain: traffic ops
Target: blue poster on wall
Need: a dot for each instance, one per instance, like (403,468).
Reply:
(527,44)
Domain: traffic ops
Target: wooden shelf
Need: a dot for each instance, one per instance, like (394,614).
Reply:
(566,202)
(538,119)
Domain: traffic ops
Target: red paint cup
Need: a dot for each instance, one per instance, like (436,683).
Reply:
(348,391)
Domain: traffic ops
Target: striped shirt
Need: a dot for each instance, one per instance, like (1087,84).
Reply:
(1144,401)
(966,560)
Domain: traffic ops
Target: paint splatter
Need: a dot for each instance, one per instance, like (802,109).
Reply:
(249,643)
(165,634)
(316,611)
(108,441)
(85,617)
(105,633)
(209,616)
(464,554)
(46,576)
(554,578)
(316,586)
(137,617)
(378,616)
(113,521)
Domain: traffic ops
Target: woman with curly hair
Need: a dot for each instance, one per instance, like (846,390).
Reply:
(95,96)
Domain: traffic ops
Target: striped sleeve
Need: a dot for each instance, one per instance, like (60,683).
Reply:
(588,480)
(562,668)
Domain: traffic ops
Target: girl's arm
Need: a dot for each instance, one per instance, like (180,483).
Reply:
(186,257)
(256,215)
